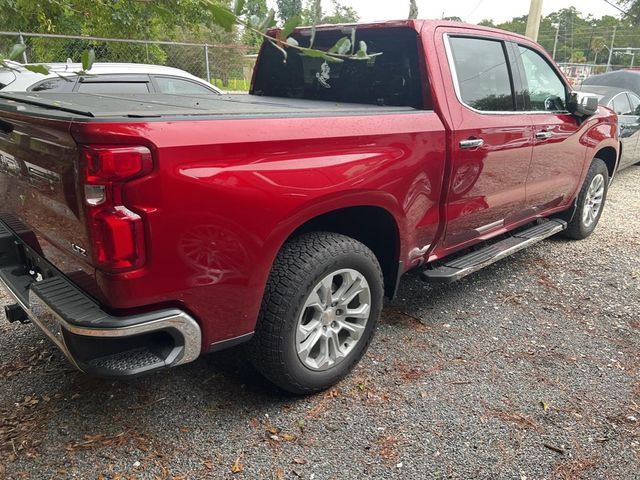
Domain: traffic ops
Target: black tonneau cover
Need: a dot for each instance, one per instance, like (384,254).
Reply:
(96,107)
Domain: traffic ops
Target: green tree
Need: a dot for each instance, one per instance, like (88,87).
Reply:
(487,23)
(632,8)
(597,45)
(578,36)
(288,9)
(186,20)
(577,56)
(313,14)
(341,14)
(258,9)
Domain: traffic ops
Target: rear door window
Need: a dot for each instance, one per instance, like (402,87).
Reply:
(635,103)
(482,73)
(114,87)
(54,85)
(180,86)
(620,104)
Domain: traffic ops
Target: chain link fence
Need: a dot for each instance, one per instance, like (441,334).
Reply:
(227,66)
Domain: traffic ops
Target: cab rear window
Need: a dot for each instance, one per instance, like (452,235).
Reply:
(393,78)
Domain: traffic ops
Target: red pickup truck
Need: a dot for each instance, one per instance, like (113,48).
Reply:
(141,231)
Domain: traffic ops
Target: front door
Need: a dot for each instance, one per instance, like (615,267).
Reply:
(491,141)
(558,154)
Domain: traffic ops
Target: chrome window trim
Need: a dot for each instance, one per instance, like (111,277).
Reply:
(456,86)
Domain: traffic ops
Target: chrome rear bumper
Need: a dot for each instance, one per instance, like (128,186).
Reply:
(93,340)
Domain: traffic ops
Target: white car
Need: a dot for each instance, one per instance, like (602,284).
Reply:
(105,78)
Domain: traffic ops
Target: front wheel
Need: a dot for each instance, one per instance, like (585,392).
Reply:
(319,312)
(590,201)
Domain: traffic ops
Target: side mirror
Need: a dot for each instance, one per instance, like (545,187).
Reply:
(582,104)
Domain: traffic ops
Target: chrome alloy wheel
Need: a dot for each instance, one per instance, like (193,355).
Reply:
(333,319)
(593,201)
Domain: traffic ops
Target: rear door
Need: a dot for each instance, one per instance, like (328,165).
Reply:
(491,141)
(558,155)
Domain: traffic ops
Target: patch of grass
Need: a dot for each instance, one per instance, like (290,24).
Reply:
(234,84)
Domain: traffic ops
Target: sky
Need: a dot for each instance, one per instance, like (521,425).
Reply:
(471,11)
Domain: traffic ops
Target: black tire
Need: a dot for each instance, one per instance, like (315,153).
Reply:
(577,228)
(299,267)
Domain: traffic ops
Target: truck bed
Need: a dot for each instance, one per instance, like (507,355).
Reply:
(96,107)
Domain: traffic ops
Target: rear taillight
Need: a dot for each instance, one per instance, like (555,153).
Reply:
(117,233)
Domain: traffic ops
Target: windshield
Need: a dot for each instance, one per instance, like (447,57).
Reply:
(393,78)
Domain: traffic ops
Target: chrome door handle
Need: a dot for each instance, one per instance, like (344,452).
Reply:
(544,135)
(471,143)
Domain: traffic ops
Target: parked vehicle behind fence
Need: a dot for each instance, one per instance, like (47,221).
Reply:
(139,232)
(627,79)
(104,78)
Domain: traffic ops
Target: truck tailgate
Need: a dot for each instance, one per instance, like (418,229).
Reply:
(39,189)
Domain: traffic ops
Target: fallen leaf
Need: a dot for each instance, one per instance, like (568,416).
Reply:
(332,393)
(237,466)
(317,410)
(545,406)
(289,438)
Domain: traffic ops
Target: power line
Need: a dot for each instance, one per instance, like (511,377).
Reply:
(473,10)
(616,7)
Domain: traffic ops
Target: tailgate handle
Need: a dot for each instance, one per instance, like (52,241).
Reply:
(6,127)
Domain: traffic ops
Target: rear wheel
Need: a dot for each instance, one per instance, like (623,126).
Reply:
(320,308)
(590,201)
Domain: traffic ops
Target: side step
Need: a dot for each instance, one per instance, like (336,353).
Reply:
(460,267)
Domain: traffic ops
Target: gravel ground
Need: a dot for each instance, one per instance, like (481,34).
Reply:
(528,369)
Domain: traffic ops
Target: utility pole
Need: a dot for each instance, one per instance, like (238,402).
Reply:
(613,40)
(413,10)
(555,42)
(533,21)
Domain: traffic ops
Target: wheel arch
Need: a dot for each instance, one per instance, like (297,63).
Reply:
(374,226)
(609,156)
